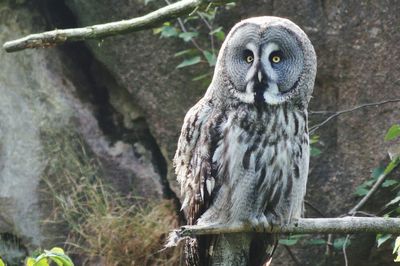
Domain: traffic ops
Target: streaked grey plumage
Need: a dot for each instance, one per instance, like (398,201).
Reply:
(243,152)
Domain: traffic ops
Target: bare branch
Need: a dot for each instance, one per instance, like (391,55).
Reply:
(55,37)
(346,225)
(336,114)
(364,200)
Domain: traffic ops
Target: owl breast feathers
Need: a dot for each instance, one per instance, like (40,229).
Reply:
(243,153)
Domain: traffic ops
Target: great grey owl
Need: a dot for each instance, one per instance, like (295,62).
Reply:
(243,153)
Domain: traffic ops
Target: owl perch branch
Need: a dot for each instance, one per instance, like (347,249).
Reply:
(345,225)
(55,37)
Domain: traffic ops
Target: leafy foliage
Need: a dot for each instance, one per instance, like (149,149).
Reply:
(45,258)
(363,189)
(314,151)
(55,255)
(379,172)
(201,31)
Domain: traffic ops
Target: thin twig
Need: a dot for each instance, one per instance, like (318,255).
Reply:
(336,114)
(295,260)
(210,28)
(306,202)
(365,214)
(374,188)
(55,37)
(329,245)
(346,262)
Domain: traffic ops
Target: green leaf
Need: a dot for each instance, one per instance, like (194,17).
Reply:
(380,239)
(57,261)
(29,261)
(157,30)
(189,62)
(396,245)
(211,58)
(339,242)
(56,255)
(291,240)
(209,15)
(185,52)
(396,249)
(57,250)
(2,262)
(317,241)
(393,201)
(187,36)
(288,242)
(389,182)
(41,262)
(230,5)
(214,31)
(220,36)
(393,132)
(168,32)
(314,152)
(62,260)
(368,183)
(391,165)
(201,77)
(361,191)
(314,139)
(219,33)
(377,172)
(147,2)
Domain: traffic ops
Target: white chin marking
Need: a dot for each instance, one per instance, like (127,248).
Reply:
(247,97)
(272,95)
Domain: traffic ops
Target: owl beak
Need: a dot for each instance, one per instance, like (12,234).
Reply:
(260,85)
(262,77)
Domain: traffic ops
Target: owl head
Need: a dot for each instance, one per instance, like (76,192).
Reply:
(266,60)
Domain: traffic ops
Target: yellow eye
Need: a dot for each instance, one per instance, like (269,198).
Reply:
(276,59)
(249,59)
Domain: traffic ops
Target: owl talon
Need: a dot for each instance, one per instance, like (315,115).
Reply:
(260,221)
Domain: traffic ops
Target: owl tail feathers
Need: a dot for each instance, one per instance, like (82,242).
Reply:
(174,238)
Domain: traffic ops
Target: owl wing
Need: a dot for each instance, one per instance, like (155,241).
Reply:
(193,159)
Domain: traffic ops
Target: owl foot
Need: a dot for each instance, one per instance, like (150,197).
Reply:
(261,222)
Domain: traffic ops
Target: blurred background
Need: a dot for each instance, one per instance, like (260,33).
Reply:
(88,129)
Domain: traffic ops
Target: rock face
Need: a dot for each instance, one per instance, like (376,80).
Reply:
(46,95)
(128,101)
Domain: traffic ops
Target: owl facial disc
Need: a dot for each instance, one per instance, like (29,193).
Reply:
(267,61)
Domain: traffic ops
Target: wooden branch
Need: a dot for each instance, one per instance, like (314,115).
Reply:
(346,225)
(55,37)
